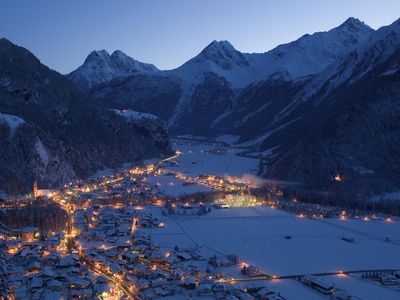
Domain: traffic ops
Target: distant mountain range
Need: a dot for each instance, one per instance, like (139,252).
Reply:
(204,95)
(325,104)
(50,131)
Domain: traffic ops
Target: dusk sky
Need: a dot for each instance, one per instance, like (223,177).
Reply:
(167,33)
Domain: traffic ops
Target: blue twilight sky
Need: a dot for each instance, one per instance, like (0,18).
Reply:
(169,32)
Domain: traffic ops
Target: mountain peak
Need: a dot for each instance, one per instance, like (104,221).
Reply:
(100,67)
(99,53)
(354,24)
(118,53)
(216,45)
(221,53)
(3,40)
(96,56)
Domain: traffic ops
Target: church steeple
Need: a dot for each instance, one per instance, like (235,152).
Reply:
(35,188)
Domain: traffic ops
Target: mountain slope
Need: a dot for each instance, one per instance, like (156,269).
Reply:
(49,130)
(350,126)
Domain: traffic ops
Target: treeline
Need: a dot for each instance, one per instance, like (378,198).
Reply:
(47,217)
(195,197)
(349,199)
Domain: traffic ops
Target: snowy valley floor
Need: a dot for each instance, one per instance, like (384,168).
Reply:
(257,236)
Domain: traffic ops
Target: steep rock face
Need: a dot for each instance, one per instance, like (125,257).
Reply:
(209,99)
(149,125)
(143,92)
(101,67)
(255,109)
(60,135)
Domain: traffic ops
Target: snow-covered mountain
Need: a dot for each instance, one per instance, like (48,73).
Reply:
(306,56)
(379,46)
(212,91)
(310,54)
(101,67)
(220,58)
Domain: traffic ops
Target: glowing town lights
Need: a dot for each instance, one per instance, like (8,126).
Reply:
(12,250)
(301,215)
(244,265)
(154,267)
(138,207)
(167,254)
(341,274)
(389,219)
(338,178)
(342,217)
(366,219)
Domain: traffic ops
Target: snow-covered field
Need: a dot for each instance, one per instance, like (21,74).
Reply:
(257,236)
(197,159)
(395,196)
(201,158)
(171,186)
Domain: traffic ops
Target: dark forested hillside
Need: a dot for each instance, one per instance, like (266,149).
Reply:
(49,130)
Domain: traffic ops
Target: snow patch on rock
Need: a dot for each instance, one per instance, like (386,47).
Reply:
(132,115)
(42,151)
(12,121)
